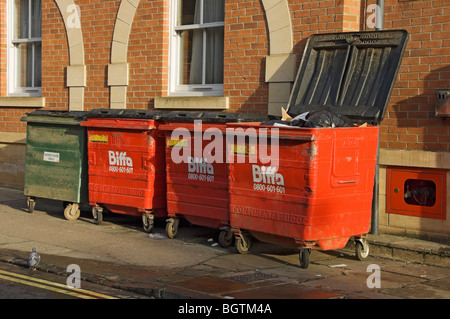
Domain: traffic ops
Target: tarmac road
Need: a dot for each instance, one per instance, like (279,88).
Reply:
(18,282)
(119,254)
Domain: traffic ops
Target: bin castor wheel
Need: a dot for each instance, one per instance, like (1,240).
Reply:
(362,249)
(97,213)
(147,220)
(172,227)
(72,211)
(242,244)
(226,238)
(30,204)
(303,257)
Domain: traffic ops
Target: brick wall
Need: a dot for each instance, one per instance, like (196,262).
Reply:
(410,122)
(246,42)
(55,57)
(3,56)
(97,22)
(148,54)
(246,46)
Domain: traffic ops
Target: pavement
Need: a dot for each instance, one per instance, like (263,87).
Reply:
(193,267)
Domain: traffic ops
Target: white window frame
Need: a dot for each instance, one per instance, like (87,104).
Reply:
(12,72)
(175,88)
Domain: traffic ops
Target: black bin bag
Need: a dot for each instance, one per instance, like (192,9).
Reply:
(326,117)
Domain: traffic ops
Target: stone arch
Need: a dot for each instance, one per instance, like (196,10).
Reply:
(280,64)
(76,70)
(118,69)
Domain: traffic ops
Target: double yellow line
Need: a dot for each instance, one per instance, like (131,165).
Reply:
(53,286)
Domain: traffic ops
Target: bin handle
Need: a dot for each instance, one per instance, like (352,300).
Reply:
(91,158)
(346,182)
(146,161)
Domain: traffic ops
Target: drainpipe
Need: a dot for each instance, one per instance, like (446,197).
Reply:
(374,229)
(379,25)
(379,15)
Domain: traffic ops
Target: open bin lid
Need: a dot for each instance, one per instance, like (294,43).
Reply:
(125,113)
(212,117)
(55,117)
(353,73)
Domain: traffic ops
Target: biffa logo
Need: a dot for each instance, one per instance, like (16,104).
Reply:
(200,170)
(267,175)
(119,162)
(120,159)
(197,165)
(266,178)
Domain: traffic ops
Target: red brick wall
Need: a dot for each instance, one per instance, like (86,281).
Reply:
(148,51)
(410,122)
(3,48)
(246,46)
(55,57)
(97,23)
(247,42)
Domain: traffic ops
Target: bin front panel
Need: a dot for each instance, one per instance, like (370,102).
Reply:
(322,189)
(126,165)
(55,164)
(197,188)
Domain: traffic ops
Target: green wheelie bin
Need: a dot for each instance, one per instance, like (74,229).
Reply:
(56,159)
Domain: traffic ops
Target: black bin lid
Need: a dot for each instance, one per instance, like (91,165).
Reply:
(181,116)
(212,117)
(352,72)
(56,113)
(55,117)
(232,117)
(125,113)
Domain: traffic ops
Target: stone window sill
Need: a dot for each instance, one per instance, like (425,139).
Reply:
(28,102)
(189,102)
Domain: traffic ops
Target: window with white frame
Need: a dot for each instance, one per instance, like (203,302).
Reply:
(197,37)
(25,43)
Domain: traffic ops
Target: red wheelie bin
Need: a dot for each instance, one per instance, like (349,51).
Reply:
(319,193)
(126,164)
(196,168)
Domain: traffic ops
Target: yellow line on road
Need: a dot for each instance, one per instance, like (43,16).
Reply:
(54,286)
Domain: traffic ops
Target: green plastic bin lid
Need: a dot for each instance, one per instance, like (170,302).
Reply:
(351,72)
